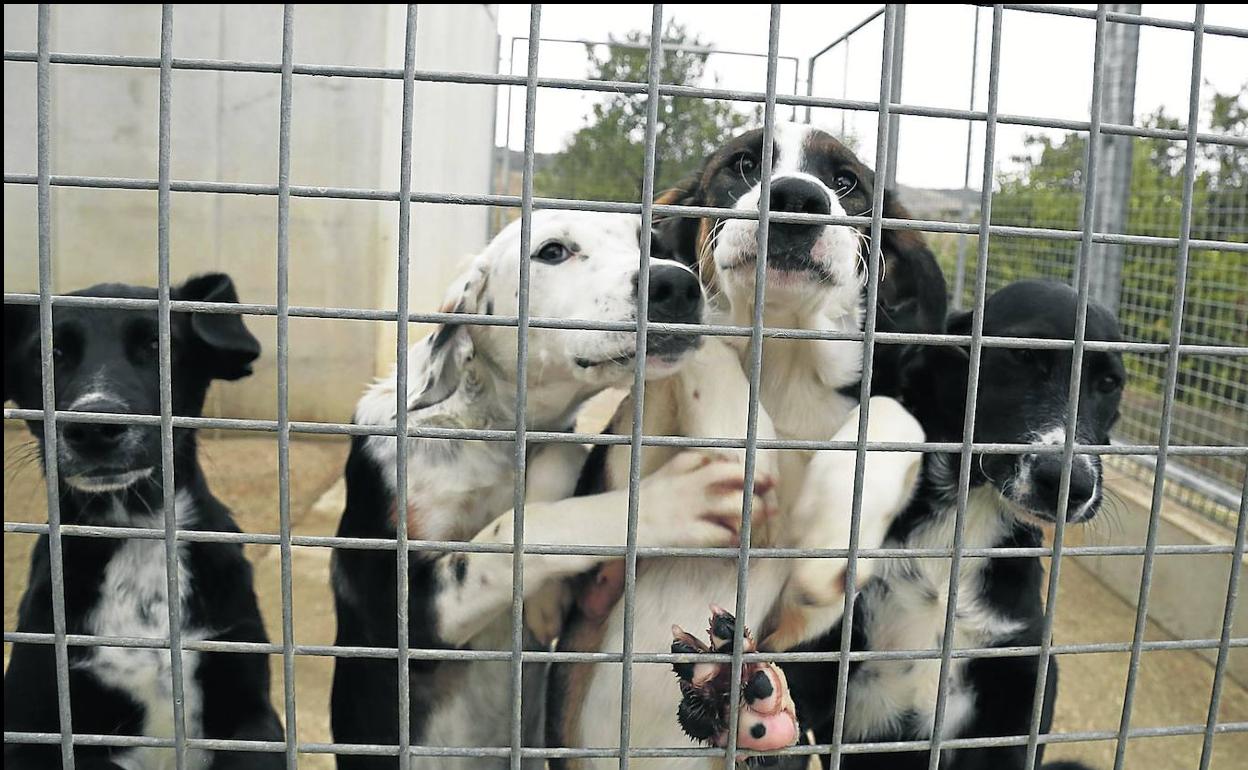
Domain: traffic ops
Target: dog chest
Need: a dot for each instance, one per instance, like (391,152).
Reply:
(905,610)
(134,603)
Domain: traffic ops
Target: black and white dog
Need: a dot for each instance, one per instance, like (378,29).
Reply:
(106,361)
(1022,398)
(583,266)
(809,391)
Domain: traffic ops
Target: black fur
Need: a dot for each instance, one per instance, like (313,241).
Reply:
(1018,393)
(112,351)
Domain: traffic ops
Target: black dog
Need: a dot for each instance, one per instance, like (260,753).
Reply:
(106,361)
(1022,398)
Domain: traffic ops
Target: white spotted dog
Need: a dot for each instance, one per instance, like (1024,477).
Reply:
(110,476)
(582,266)
(809,391)
(1022,398)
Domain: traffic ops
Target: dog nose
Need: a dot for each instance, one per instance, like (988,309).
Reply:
(1046,474)
(93,439)
(795,195)
(675,295)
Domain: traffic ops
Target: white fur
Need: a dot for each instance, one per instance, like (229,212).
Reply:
(134,602)
(800,400)
(906,609)
(461,490)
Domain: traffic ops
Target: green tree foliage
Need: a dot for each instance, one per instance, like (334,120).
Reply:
(1046,190)
(604,159)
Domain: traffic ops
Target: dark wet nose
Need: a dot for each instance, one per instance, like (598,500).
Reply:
(795,195)
(1046,476)
(675,295)
(94,440)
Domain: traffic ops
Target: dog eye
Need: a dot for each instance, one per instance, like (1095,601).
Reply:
(553,253)
(745,164)
(844,182)
(1109,383)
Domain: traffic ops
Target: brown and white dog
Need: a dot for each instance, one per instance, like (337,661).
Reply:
(809,390)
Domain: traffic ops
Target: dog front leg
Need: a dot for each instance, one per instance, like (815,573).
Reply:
(814,599)
(692,501)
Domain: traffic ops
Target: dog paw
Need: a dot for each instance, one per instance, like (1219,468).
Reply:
(544,611)
(767,718)
(696,500)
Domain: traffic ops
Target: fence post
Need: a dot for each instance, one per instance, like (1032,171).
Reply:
(1113,204)
(894,96)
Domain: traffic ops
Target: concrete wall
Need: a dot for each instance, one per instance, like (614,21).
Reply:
(345,133)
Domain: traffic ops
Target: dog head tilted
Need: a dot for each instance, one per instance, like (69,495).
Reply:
(1023,397)
(582,266)
(106,359)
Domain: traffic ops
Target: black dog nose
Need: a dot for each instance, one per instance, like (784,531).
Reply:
(675,295)
(93,439)
(795,195)
(1046,475)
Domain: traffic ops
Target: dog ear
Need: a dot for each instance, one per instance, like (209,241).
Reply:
(676,237)
(933,381)
(913,297)
(20,322)
(227,346)
(450,346)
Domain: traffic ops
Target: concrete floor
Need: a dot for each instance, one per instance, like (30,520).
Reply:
(1173,687)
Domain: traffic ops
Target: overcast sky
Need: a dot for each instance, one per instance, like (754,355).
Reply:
(1046,69)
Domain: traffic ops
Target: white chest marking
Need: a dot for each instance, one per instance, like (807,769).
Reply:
(134,602)
(905,610)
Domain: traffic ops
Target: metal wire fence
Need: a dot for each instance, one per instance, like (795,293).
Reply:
(1174,242)
(1212,398)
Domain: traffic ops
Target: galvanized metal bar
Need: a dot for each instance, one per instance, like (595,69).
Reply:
(623,87)
(47,371)
(882,155)
(1128,18)
(365,749)
(972,388)
(559,437)
(402,285)
(1228,621)
(846,35)
(571,204)
(755,377)
(168,482)
(545,656)
(548,549)
(721,330)
(522,384)
(959,272)
(283,383)
(1168,394)
(1084,282)
(654,72)
(894,124)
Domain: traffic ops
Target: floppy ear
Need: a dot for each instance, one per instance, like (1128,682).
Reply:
(675,236)
(228,348)
(933,382)
(19,322)
(913,296)
(450,346)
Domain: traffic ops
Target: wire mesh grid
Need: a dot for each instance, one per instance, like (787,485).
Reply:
(1176,238)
